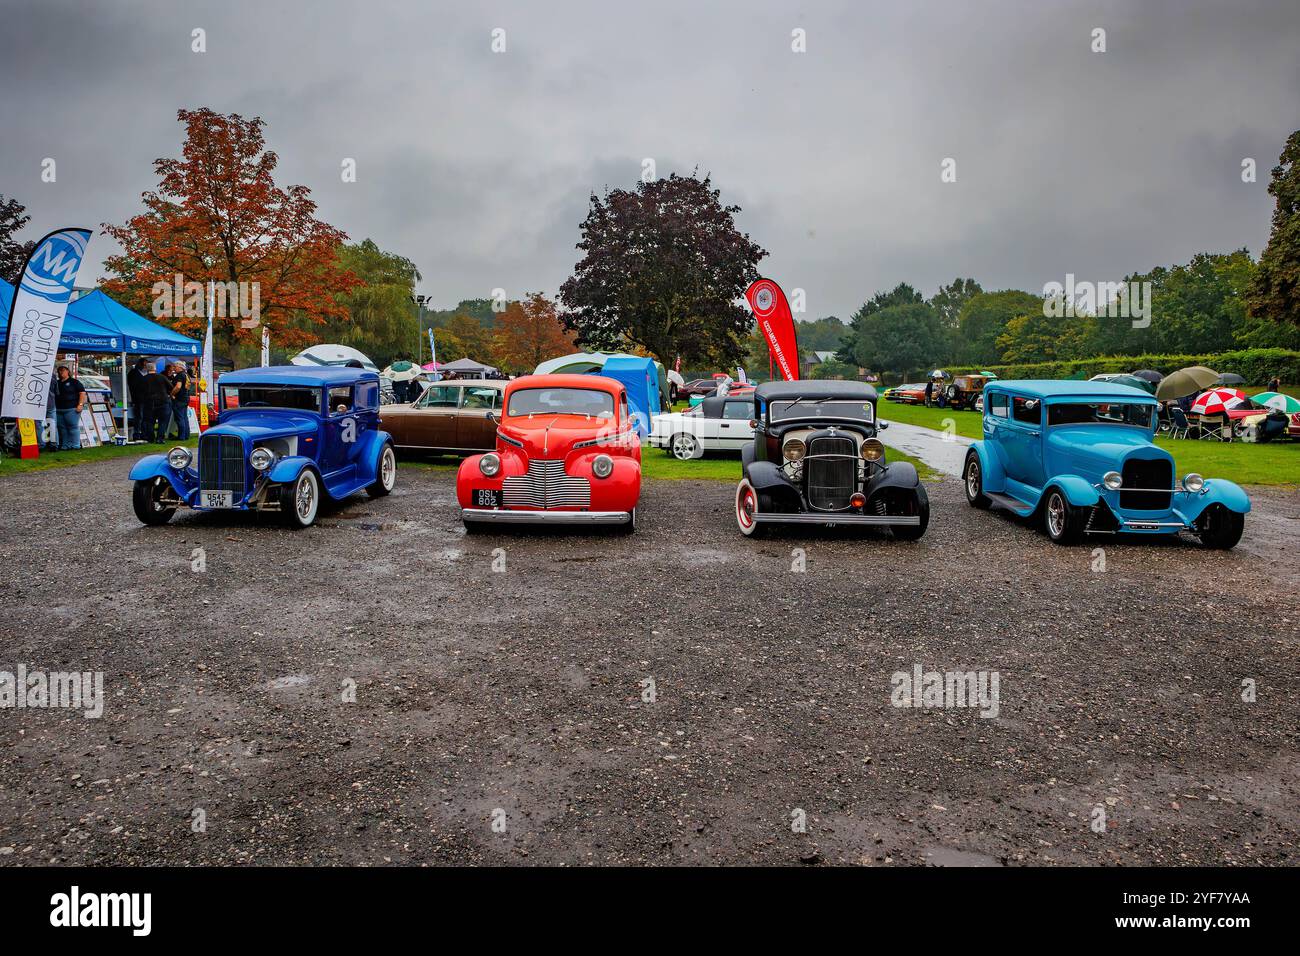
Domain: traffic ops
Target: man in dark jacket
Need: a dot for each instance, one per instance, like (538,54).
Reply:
(140,413)
(179,384)
(157,394)
(69,400)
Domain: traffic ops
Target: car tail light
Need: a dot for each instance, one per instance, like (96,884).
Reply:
(858,500)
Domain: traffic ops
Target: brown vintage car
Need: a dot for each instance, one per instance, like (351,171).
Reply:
(448,417)
(964,390)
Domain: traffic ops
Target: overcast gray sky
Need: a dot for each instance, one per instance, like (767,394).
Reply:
(477,165)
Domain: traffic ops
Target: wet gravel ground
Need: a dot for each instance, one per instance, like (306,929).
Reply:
(501,708)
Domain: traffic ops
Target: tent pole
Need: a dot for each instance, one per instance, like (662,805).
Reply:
(126,403)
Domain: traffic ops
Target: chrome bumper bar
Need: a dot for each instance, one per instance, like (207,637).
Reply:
(502,516)
(1139,525)
(835,518)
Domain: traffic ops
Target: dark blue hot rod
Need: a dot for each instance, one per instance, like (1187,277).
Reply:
(1081,456)
(287,436)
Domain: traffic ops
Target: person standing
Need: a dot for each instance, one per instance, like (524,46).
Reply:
(157,392)
(69,400)
(140,413)
(1274,384)
(180,399)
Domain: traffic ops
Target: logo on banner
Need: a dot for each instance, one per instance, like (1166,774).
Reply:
(763,300)
(52,269)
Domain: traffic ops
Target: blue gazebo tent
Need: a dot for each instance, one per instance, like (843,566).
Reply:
(80,334)
(641,379)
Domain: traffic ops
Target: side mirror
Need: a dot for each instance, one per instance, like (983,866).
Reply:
(882,425)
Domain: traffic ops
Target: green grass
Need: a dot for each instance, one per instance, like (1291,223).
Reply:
(65,459)
(1275,463)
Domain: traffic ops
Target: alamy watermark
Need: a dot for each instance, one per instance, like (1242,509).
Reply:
(230,300)
(1127,300)
(22,689)
(946,689)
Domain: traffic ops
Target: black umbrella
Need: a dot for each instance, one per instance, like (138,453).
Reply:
(1230,378)
(1148,375)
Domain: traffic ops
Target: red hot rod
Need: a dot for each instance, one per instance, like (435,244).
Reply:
(567,452)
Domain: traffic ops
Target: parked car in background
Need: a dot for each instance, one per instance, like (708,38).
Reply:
(699,386)
(964,391)
(567,452)
(911,394)
(716,424)
(1081,457)
(1293,429)
(449,417)
(289,436)
(815,459)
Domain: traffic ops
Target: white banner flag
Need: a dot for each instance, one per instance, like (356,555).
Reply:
(266,347)
(205,368)
(36,322)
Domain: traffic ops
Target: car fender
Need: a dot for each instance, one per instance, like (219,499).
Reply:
(1078,491)
(899,474)
(767,478)
(288,468)
(992,476)
(372,447)
(1218,491)
(155,466)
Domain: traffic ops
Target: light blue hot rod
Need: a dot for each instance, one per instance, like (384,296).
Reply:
(1081,455)
(287,436)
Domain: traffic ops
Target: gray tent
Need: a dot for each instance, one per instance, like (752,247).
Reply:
(468,368)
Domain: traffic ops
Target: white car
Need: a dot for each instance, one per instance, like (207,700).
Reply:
(716,424)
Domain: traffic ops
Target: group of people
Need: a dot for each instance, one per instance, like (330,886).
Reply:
(159,399)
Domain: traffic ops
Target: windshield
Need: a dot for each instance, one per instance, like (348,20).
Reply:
(297,397)
(785,409)
(1100,413)
(561,401)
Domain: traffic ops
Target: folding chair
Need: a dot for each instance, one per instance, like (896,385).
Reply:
(1179,426)
(1215,428)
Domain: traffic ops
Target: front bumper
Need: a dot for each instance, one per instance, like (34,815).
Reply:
(830,517)
(505,516)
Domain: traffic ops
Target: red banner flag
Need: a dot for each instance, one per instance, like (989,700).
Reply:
(777,325)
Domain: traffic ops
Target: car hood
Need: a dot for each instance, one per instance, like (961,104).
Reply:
(1102,448)
(258,425)
(552,436)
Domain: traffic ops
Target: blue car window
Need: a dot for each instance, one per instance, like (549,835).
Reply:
(340,399)
(1029,411)
(368,396)
(998,404)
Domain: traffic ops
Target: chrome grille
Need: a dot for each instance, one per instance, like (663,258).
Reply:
(221,464)
(1139,473)
(546,486)
(831,481)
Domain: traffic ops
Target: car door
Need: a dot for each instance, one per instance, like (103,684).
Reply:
(1022,440)
(473,429)
(342,436)
(734,431)
(436,416)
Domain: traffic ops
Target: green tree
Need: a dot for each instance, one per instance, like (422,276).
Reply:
(664,267)
(379,319)
(823,335)
(1275,293)
(13,254)
(983,319)
(465,337)
(899,338)
(901,294)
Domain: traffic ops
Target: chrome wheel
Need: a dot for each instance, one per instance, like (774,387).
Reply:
(388,469)
(973,479)
(1055,515)
(746,508)
(685,446)
(305,499)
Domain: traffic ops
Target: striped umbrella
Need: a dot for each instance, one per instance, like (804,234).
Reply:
(1218,401)
(1277,401)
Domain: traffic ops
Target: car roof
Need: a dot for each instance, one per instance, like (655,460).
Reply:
(1053,388)
(568,380)
(821,388)
(297,375)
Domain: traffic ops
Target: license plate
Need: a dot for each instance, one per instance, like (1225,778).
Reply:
(487,498)
(216,499)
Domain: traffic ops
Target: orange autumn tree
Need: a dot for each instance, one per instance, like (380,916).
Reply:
(530,332)
(218,215)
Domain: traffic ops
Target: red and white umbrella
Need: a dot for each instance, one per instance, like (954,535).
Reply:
(1218,401)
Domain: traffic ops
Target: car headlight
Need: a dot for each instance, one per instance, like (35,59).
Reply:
(873,449)
(794,450)
(1112,480)
(602,466)
(261,459)
(489,464)
(179,458)
(1193,482)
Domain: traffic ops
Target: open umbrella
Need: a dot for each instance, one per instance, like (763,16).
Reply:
(1218,401)
(1186,381)
(988,374)
(1277,401)
(1230,378)
(938,373)
(402,372)
(1148,375)
(1132,381)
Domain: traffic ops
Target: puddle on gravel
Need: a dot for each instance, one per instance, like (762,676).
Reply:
(290,680)
(950,856)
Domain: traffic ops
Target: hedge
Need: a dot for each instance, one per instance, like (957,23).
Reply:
(1256,366)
